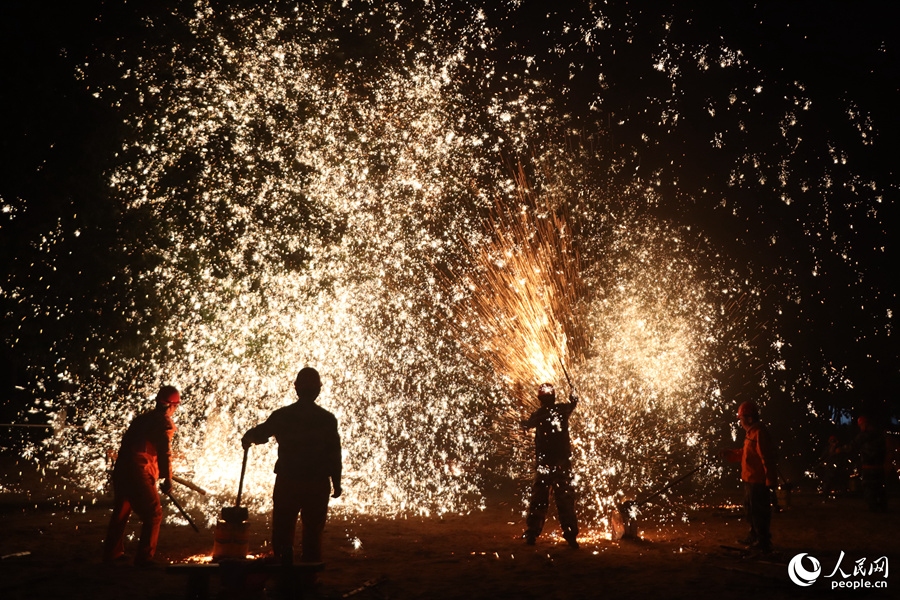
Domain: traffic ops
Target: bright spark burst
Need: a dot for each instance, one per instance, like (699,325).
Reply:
(519,294)
(312,205)
(307,241)
(644,335)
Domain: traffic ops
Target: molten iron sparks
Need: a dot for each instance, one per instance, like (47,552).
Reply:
(520,293)
(308,203)
(641,336)
(375,176)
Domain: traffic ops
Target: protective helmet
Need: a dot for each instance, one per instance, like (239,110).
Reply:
(546,389)
(748,409)
(168,396)
(308,379)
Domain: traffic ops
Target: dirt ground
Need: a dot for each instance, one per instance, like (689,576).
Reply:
(51,545)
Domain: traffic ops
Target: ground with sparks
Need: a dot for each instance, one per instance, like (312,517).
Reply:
(474,556)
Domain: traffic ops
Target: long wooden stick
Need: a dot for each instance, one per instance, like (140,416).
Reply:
(189,484)
(182,511)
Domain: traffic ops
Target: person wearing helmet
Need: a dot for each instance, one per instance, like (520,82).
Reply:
(553,466)
(308,466)
(144,457)
(759,473)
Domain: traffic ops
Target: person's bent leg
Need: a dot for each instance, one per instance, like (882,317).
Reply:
(114,544)
(145,502)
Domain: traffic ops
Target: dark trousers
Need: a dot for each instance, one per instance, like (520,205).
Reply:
(138,494)
(872,481)
(758,503)
(308,499)
(559,479)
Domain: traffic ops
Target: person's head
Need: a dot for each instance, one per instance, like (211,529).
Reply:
(748,414)
(308,384)
(546,394)
(863,423)
(168,398)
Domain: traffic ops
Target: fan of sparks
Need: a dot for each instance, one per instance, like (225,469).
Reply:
(635,328)
(522,288)
(367,226)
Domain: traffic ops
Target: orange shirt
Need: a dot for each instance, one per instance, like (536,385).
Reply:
(757,457)
(145,446)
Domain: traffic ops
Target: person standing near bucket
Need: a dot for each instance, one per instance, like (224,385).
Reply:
(307,469)
(144,457)
(553,466)
(759,473)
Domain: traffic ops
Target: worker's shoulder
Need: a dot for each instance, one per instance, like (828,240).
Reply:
(757,430)
(539,412)
(150,418)
(306,411)
(324,414)
(568,407)
(759,426)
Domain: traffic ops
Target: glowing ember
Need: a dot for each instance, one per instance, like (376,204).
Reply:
(199,559)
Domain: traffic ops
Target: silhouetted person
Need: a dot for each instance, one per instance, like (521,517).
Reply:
(553,466)
(872,449)
(144,456)
(759,473)
(309,464)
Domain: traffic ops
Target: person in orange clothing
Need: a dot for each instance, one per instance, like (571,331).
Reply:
(759,473)
(308,465)
(144,457)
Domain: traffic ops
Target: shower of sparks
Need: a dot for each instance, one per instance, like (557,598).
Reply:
(301,185)
(644,335)
(519,292)
(300,210)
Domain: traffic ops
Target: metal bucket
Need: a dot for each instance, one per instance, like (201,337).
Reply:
(232,540)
